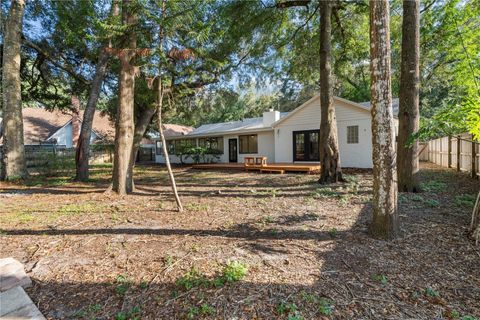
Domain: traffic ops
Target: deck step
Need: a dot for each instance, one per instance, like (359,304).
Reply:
(14,301)
(12,274)
(16,304)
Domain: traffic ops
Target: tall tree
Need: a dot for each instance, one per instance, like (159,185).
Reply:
(330,170)
(160,96)
(124,126)
(385,222)
(409,114)
(83,146)
(13,160)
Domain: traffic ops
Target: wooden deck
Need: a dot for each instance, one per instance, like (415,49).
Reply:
(271,167)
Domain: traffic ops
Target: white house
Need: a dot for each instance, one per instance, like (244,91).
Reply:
(285,137)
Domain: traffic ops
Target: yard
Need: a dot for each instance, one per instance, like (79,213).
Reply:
(248,246)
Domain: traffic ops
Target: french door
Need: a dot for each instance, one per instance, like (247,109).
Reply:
(306,145)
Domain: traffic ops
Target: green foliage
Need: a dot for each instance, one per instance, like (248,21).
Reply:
(234,271)
(380,278)
(430,292)
(133,314)
(123,284)
(466,200)
(191,279)
(433,186)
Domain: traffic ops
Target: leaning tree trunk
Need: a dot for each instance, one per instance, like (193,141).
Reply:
(408,115)
(83,146)
(475,224)
(385,217)
(330,170)
(159,115)
(140,128)
(164,148)
(124,127)
(13,160)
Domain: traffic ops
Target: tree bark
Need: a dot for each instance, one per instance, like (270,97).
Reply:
(140,128)
(385,217)
(124,127)
(83,146)
(330,169)
(13,160)
(409,115)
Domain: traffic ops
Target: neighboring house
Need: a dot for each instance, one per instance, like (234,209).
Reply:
(62,129)
(285,137)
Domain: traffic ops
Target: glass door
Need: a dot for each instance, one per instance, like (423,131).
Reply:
(306,145)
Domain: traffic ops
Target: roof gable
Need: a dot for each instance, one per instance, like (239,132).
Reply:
(364,106)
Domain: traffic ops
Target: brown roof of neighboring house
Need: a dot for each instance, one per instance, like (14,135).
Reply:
(171,130)
(40,124)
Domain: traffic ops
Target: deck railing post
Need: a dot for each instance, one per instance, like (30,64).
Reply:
(459,149)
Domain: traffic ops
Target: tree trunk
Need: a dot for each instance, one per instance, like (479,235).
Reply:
(159,115)
(475,224)
(13,161)
(164,147)
(409,115)
(83,146)
(330,170)
(124,127)
(385,218)
(140,128)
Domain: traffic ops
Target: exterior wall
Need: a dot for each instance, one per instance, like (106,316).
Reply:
(64,136)
(352,155)
(266,147)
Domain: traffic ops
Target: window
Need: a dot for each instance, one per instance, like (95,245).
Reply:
(175,146)
(158,149)
(212,143)
(183,144)
(352,134)
(248,144)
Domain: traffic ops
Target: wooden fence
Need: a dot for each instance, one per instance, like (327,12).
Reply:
(459,152)
(43,155)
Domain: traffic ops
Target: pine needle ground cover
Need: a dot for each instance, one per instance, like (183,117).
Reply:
(248,246)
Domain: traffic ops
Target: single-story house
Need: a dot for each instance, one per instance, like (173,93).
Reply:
(62,129)
(44,127)
(284,137)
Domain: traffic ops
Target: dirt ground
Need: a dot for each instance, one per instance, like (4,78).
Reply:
(297,250)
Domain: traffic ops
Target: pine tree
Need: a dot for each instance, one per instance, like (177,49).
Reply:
(385,217)
(409,114)
(13,164)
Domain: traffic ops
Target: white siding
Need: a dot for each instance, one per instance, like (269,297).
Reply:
(351,155)
(266,147)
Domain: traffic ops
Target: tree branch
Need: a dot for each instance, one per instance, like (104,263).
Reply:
(55,62)
(292,3)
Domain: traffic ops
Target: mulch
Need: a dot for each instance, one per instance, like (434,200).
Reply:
(307,247)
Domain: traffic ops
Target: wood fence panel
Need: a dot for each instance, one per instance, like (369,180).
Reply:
(445,151)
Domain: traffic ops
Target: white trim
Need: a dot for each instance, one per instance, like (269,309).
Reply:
(218,134)
(66,124)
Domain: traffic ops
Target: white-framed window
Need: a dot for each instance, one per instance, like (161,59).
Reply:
(352,134)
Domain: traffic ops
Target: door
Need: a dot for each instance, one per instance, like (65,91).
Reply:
(232,150)
(306,145)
